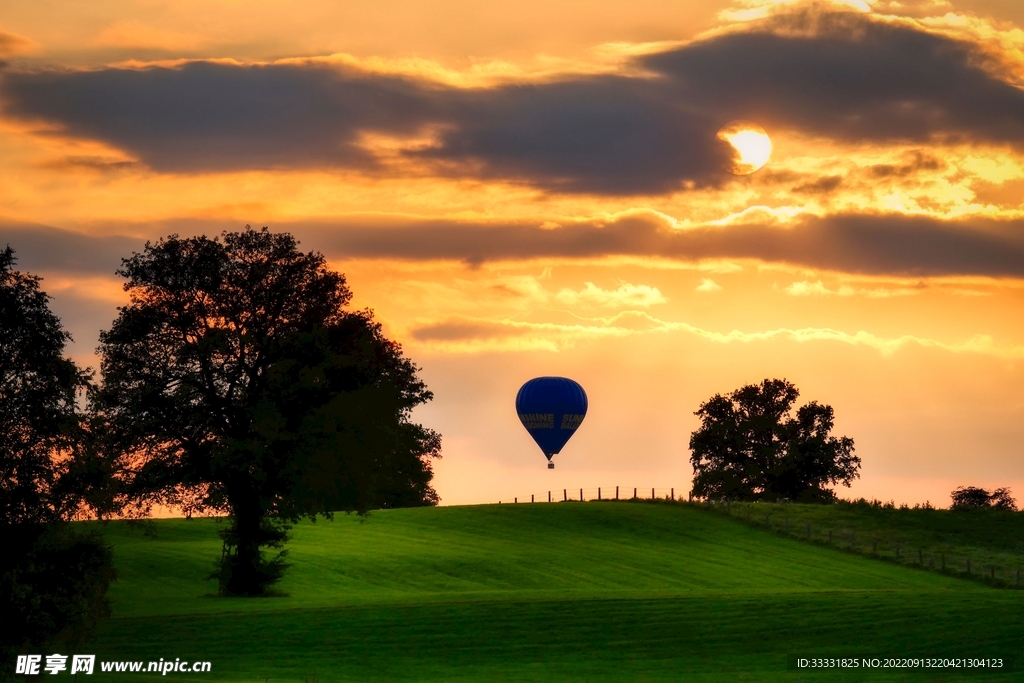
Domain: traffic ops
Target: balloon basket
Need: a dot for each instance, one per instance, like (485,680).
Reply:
(551,465)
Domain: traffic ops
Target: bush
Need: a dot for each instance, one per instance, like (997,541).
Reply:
(973,498)
(53,585)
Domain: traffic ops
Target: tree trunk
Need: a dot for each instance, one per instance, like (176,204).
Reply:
(243,568)
(243,578)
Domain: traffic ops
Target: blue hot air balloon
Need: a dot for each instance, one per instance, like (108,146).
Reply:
(551,408)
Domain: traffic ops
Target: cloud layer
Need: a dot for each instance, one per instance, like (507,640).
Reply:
(463,333)
(839,75)
(874,244)
(855,243)
(44,248)
(205,116)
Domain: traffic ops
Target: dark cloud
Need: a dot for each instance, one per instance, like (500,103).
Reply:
(608,135)
(43,248)
(839,75)
(822,185)
(458,330)
(93,163)
(878,244)
(918,161)
(885,244)
(604,134)
(845,76)
(212,116)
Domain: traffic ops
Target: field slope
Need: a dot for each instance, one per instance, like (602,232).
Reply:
(565,592)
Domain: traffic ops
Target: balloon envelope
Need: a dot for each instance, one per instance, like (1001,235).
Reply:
(551,408)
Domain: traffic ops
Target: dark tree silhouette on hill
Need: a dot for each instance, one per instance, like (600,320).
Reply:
(236,380)
(972,497)
(53,578)
(750,446)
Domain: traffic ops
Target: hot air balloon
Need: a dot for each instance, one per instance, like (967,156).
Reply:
(551,408)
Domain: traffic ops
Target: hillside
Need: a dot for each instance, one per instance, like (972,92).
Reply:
(571,591)
(985,544)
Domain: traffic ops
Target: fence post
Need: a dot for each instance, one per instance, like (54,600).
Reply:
(531,497)
(549,496)
(616,493)
(634,493)
(652,494)
(565,495)
(673,493)
(581,495)
(599,493)
(515,500)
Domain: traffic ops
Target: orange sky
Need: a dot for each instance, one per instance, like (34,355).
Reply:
(520,190)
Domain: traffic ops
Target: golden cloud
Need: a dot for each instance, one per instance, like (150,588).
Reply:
(461,334)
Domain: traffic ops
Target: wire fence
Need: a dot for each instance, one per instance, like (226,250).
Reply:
(882,544)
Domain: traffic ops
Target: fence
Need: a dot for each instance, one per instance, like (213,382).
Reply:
(874,543)
(599,493)
(871,543)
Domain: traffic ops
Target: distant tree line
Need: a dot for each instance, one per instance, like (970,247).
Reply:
(974,498)
(235,381)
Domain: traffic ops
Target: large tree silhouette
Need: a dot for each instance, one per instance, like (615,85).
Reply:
(235,379)
(53,578)
(750,446)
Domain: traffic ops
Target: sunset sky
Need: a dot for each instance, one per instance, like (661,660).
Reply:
(521,189)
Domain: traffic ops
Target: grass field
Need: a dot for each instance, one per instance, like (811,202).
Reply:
(561,592)
(987,542)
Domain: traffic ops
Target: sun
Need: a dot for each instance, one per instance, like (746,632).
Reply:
(750,143)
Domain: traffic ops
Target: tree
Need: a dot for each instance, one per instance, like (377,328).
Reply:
(236,380)
(1002,500)
(53,578)
(750,446)
(972,497)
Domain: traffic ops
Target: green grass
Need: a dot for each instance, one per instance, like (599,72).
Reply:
(561,592)
(992,540)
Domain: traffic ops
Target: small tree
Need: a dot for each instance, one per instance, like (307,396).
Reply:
(750,446)
(1002,500)
(53,579)
(973,498)
(236,380)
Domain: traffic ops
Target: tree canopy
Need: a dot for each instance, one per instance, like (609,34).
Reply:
(39,418)
(752,446)
(53,579)
(237,380)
